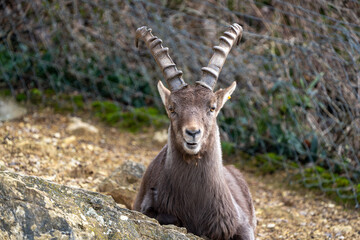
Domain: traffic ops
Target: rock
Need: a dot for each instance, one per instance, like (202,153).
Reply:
(339,229)
(68,140)
(79,128)
(161,136)
(2,166)
(33,208)
(39,148)
(271,225)
(123,183)
(9,109)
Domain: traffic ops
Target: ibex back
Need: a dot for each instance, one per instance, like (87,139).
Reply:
(187,184)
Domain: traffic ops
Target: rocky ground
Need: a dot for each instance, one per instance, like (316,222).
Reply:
(82,152)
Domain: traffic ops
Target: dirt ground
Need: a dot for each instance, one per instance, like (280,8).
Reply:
(38,144)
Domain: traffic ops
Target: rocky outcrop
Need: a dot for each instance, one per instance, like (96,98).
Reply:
(33,208)
(124,183)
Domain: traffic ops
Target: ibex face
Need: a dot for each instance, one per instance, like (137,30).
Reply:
(192,109)
(192,114)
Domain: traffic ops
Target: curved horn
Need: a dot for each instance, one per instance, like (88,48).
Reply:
(171,73)
(227,41)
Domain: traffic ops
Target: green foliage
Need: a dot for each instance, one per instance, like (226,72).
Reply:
(140,118)
(107,111)
(228,148)
(13,63)
(271,126)
(317,177)
(5,92)
(21,97)
(23,62)
(78,100)
(105,107)
(134,120)
(267,163)
(342,182)
(35,95)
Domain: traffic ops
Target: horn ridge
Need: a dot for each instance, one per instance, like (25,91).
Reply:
(211,73)
(161,55)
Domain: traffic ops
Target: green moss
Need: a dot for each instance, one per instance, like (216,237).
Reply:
(104,107)
(5,92)
(134,120)
(63,107)
(319,169)
(326,175)
(21,97)
(49,92)
(107,111)
(268,168)
(342,182)
(35,95)
(274,157)
(113,118)
(78,101)
(311,182)
(293,165)
(267,163)
(309,171)
(140,118)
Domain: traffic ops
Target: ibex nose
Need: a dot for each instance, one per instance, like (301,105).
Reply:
(192,132)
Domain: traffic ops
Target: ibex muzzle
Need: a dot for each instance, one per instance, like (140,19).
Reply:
(186,184)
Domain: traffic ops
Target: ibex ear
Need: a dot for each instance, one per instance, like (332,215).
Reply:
(164,92)
(224,94)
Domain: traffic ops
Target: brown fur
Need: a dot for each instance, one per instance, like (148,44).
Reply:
(191,188)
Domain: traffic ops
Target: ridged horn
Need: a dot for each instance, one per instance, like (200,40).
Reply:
(172,75)
(211,72)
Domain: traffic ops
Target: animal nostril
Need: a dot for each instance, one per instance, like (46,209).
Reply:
(192,132)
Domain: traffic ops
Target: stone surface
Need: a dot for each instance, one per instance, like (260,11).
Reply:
(33,208)
(9,109)
(123,183)
(161,136)
(79,128)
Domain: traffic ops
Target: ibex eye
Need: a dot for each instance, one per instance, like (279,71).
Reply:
(212,109)
(171,109)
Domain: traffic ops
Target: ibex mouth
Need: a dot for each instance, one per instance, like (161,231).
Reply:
(191,145)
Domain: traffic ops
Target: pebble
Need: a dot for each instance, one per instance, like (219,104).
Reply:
(69,140)
(342,229)
(124,218)
(36,136)
(271,225)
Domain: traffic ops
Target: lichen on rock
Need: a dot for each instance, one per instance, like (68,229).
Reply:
(34,208)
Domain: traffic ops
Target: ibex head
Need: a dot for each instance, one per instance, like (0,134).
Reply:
(192,109)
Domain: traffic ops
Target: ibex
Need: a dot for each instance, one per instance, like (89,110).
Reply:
(186,184)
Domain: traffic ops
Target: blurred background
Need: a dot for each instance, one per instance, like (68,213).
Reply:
(297,106)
